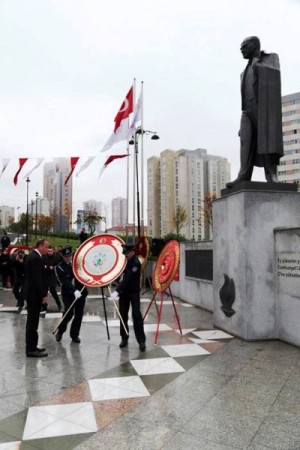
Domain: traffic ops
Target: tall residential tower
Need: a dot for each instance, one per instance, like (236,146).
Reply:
(183,178)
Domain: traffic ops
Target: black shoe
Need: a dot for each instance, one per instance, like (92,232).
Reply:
(76,340)
(19,309)
(123,343)
(142,346)
(40,349)
(58,336)
(36,354)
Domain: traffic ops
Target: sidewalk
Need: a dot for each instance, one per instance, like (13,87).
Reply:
(202,390)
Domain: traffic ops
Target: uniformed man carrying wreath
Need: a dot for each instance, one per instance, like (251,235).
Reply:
(128,292)
(71,289)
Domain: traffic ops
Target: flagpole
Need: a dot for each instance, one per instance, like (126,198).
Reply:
(127,194)
(133,172)
(142,160)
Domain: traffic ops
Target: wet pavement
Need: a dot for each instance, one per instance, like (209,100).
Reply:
(203,389)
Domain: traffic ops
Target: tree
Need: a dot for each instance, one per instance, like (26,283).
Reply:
(90,219)
(45,224)
(206,216)
(180,218)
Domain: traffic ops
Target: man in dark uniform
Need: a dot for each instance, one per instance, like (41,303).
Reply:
(71,289)
(35,293)
(5,241)
(51,259)
(18,266)
(128,292)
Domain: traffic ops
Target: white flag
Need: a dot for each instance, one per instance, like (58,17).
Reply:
(85,165)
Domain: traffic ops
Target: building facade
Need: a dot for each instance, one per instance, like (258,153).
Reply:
(118,211)
(289,167)
(59,195)
(7,216)
(97,208)
(183,179)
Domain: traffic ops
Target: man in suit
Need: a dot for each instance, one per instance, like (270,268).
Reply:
(261,121)
(35,293)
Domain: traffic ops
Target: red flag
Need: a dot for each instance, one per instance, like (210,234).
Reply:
(74,161)
(120,132)
(110,159)
(125,110)
(22,161)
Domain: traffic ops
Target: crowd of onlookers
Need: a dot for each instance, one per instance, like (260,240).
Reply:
(12,270)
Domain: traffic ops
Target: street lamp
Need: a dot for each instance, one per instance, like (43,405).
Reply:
(134,141)
(18,208)
(36,214)
(27,212)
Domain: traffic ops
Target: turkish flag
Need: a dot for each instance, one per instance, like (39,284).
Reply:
(22,161)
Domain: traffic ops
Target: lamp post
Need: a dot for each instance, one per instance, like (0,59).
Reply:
(36,214)
(18,208)
(27,212)
(134,141)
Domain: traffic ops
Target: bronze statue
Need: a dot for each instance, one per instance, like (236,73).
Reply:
(261,122)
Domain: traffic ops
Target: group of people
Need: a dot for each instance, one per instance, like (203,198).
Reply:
(36,286)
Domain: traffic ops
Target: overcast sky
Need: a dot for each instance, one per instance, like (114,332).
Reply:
(66,65)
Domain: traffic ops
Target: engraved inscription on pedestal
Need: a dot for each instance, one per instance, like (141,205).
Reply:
(288,273)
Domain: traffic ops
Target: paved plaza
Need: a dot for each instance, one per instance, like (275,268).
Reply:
(202,390)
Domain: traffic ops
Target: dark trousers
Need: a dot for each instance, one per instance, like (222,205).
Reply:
(248,136)
(54,294)
(32,324)
(18,291)
(138,324)
(77,312)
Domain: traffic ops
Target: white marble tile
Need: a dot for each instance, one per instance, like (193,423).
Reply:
(156,366)
(184,350)
(145,300)
(167,302)
(152,327)
(116,322)
(91,319)
(212,334)
(118,387)
(185,330)
(201,341)
(187,305)
(10,445)
(53,315)
(8,308)
(59,420)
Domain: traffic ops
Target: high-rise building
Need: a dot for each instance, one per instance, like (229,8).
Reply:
(7,215)
(289,167)
(183,178)
(97,208)
(59,195)
(118,211)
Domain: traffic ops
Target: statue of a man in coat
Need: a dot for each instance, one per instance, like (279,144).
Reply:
(261,121)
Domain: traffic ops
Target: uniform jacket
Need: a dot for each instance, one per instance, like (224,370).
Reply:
(69,284)
(131,281)
(267,93)
(51,261)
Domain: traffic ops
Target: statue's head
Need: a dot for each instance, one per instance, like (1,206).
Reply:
(250,47)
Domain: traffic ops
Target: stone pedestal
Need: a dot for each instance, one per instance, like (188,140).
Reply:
(244,251)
